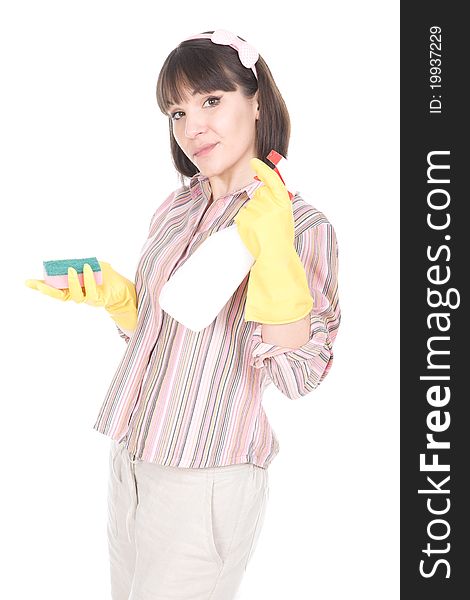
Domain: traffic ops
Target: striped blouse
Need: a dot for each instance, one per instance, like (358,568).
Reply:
(194,399)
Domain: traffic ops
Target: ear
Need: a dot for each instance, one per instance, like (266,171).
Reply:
(256,105)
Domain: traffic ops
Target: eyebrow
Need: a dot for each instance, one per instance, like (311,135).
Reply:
(171,107)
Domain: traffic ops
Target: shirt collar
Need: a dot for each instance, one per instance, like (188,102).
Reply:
(199,184)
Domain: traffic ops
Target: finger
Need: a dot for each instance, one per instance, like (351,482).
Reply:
(51,291)
(75,288)
(90,284)
(105,269)
(272,180)
(259,204)
(31,283)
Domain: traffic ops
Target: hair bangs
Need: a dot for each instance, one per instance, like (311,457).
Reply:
(189,71)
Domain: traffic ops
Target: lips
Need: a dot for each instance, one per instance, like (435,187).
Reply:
(205,149)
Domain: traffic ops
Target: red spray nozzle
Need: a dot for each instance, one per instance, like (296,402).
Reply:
(279,161)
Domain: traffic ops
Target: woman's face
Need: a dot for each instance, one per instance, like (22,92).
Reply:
(226,119)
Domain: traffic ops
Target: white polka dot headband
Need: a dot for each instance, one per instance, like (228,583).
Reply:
(247,54)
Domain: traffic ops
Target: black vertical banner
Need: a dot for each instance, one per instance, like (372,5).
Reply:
(434,262)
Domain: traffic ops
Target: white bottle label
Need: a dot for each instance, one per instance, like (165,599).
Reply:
(200,288)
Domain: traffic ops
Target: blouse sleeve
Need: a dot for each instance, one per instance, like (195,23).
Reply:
(296,372)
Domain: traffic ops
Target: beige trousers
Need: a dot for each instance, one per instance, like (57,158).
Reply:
(181,534)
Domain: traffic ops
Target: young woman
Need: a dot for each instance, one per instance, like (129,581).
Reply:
(191,443)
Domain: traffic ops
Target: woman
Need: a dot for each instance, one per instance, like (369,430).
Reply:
(191,442)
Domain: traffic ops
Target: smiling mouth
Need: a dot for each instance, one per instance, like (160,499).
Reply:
(206,150)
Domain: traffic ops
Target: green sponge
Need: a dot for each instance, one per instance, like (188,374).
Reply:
(56,271)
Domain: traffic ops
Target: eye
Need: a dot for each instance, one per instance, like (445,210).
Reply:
(216,98)
(172,116)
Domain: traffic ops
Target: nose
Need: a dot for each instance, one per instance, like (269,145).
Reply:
(194,125)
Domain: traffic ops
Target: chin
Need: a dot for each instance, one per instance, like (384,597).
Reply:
(211,170)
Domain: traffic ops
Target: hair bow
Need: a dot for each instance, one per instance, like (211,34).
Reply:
(248,55)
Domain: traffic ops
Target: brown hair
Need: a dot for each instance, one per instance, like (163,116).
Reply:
(202,66)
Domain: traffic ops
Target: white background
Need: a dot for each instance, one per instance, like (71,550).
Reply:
(85,161)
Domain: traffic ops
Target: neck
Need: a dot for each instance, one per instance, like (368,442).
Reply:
(230,181)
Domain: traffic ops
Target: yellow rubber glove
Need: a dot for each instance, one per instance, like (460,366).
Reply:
(116,294)
(278,290)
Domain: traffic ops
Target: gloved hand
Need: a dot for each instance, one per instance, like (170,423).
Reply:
(116,294)
(278,290)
